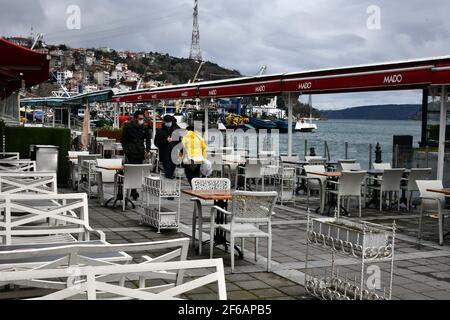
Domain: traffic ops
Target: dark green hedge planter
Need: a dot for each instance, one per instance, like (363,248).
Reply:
(19,139)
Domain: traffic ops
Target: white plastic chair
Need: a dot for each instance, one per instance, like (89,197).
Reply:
(349,185)
(316,183)
(106,176)
(348,167)
(432,202)
(250,171)
(411,187)
(132,177)
(107,145)
(74,166)
(382,166)
(250,211)
(390,182)
(215,184)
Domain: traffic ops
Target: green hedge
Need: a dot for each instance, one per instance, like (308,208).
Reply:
(19,139)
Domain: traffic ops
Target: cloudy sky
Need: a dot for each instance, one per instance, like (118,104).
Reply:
(285,35)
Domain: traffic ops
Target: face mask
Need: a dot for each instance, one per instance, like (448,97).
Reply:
(141,122)
(169,124)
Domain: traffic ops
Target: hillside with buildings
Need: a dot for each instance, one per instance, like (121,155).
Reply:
(91,69)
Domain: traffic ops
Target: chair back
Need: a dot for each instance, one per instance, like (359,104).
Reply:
(17,165)
(221,184)
(418,174)
(382,166)
(253,207)
(108,144)
(350,183)
(133,175)
(315,168)
(253,170)
(108,175)
(290,159)
(28,182)
(392,179)
(423,186)
(349,167)
(316,160)
(75,154)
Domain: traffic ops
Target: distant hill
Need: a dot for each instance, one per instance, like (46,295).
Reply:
(376,112)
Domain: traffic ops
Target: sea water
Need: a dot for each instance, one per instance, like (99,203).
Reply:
(359,134)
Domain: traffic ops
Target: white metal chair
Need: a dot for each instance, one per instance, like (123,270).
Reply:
(250,171)
(411,187)
(432,202)
(87,173)
(107,145)
(382,166)
(66,219)
(106,176)
(349,185)
(286,180)
(9,156)
(316,183)
(214,184)
(132,179)
(250,211)
(390,182)
(73,155)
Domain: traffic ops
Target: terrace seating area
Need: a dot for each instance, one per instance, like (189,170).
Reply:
(156,246)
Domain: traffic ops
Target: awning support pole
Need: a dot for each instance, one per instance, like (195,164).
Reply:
(290,116)
(154,124)
(443,124)
(206,123)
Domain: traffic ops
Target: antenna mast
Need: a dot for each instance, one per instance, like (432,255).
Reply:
(196,52)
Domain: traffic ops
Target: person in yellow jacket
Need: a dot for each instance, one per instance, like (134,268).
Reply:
(193,153)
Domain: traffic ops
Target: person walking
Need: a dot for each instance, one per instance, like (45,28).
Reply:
(135,143)
(193,153)
(165,144)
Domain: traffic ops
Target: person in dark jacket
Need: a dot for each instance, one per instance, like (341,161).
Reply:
(136,142)
(165,144)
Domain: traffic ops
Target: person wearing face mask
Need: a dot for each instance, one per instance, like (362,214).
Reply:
(165,144)
(136,142)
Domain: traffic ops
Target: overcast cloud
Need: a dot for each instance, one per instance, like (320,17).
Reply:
(285,35)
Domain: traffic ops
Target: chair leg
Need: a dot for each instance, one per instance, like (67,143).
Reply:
(381,201)
(441,229)
(194,224)
(269,252)
(256,249)
(124,200)
(338,206)
(232,253)
(398,200)
(360,207)
(200,229)
(211,237)
(419,235)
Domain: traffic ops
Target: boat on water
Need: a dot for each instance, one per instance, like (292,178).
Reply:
(305,125)
(262,124)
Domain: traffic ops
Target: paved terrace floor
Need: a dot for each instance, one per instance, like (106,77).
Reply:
(422,269)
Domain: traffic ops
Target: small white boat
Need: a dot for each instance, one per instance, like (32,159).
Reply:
(305,125)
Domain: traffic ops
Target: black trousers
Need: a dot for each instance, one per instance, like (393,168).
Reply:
(169,169)
(192,171)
